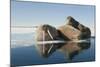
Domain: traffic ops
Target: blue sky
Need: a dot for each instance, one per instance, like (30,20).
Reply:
(36,13)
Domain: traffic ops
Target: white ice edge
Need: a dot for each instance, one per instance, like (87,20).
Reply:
(25,43)
(54,42)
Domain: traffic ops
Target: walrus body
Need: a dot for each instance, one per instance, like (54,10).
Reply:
(73,30)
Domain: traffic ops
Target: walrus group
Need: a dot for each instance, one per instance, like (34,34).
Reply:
(72,30)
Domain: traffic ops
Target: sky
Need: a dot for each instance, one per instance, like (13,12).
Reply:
(36,13)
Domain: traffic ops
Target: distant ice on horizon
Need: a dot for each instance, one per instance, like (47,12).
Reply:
(22,30)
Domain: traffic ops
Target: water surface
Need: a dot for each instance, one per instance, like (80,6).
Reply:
(24,51)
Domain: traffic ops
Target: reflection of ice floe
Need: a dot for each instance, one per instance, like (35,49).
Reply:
(21,43)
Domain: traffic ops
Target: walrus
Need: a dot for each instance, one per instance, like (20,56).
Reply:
(46,33)
(73,30)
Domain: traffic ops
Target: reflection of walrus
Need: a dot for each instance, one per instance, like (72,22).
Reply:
(46,33)
(71,49)
(74,30)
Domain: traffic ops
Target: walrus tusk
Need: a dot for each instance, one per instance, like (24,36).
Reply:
(50,34)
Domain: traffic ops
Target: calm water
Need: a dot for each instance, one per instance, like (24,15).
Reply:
(24,51)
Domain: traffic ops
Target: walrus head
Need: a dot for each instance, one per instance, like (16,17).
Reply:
(45,27)
(71,21)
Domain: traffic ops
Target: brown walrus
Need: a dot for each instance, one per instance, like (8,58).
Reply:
(73,30)
(46,33)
